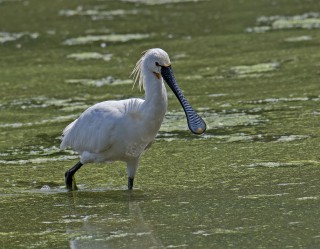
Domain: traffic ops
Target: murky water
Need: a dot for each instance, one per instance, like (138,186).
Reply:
(250,68)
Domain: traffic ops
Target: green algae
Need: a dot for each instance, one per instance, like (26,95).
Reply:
(299,38)
(95,14)
(250,182)
(175,121)
(104,38)
(254,70)
(9,37)
(309,20)
(90,56)
(100,82)
(158,2)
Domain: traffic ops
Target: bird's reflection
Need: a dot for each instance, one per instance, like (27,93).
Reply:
(122,227)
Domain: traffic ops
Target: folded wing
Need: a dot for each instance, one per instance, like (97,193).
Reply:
(93,131)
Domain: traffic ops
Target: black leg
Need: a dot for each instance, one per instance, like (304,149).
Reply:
(130,182)
(69,177)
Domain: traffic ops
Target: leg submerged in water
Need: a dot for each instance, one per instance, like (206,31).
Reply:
(130,183)
(69,177)
(132,166)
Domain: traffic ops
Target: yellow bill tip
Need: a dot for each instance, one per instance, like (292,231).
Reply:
(199,131)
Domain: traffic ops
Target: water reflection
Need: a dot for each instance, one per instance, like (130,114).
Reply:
(124,226)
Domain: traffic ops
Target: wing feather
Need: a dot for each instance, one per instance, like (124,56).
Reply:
(93,130)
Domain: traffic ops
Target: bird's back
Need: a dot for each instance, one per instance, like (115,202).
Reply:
(95,129)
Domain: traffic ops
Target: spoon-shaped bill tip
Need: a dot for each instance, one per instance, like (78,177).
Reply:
(195,122)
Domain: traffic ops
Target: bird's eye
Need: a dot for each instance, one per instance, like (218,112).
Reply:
(157,64)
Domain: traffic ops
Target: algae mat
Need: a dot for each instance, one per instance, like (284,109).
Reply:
(250,68)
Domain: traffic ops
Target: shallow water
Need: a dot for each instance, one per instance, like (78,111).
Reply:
(251,71)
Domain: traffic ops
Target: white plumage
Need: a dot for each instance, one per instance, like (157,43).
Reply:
(112,131)
(122,130)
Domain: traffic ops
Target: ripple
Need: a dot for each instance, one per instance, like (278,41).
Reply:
(45,188)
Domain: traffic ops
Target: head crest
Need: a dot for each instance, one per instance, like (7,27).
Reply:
(136,73)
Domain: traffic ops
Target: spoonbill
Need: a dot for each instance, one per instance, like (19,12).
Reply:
(122,130)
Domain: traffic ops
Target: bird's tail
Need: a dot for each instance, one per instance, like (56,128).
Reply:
(65,133)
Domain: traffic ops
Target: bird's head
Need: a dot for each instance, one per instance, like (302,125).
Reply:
(157,61)
(152,60)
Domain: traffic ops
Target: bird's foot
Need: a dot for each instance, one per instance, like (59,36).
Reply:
(70,181)
(130,183)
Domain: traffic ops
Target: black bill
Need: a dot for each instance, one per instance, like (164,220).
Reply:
(195,122)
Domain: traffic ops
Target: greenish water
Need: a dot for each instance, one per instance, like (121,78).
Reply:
(250,68)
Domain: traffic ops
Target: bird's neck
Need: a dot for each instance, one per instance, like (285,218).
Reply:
(156,101)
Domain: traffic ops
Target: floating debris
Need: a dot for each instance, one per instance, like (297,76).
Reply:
(309,23)
(261,196)
(157,2)
(259,29)
(298,38)
(290,183)
(90,56)
(291,138)
(100,82)
(276,100)
(95,14)
(179,56)
(232,138)
(308,198)
(254,70)
(274,164)
(225,231)
(7,37)
(104,38)
(215,95)
(305,21)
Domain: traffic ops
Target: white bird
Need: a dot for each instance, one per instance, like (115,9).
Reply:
(122,130)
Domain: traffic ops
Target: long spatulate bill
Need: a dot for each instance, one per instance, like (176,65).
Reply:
(195,122)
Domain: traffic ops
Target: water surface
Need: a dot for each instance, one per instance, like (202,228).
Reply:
(251,70)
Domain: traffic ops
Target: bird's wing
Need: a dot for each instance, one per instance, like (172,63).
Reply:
(94,130)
